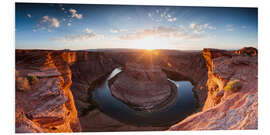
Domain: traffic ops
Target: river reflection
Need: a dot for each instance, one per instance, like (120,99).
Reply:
(184,106)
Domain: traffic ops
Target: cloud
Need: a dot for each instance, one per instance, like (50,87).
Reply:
(162,14)
(172,19)
(197,28)
(115,30)
(47,23)
(87,35)
(162,32)
(74,14)
(88,31)
(51,21)
(149,14)
(29,15)
(229,27)
(138,35)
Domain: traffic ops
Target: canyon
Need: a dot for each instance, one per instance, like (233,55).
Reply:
(54,88)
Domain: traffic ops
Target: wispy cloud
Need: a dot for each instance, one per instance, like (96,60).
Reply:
(116,30)
(88,31)
(162,14)
(75,14)
(172,19)
(29,15)
(197,28)
(163,32)
(48,23)
(88,34)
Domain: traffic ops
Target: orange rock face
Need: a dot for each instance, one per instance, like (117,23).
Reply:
(52,88)
(222,109)
(48,105)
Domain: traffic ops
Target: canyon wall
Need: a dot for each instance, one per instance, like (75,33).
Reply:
(227,107)
(178,65)
(44,102)
(68,77)
(53,88)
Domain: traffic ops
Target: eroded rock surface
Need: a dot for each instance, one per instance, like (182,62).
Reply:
(46,105)
(143,87)
(97,121)
(223,109)
(89,69)
(51,81)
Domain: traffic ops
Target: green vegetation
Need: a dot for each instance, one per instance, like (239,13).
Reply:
(32,79)
(233,86)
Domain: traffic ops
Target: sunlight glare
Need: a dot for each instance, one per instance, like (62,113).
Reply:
(150,43)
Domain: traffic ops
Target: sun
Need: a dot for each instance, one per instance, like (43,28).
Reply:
(149,43)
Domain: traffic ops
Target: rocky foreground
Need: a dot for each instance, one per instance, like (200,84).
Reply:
(225,109)
(53,88)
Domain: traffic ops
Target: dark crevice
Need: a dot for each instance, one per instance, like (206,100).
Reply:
(93,104)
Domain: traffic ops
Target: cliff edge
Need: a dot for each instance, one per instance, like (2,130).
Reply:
(232,101)
(44,102)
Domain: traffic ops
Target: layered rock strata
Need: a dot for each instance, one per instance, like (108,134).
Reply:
(46,104)
(49,82)
(227,109)
(143,87)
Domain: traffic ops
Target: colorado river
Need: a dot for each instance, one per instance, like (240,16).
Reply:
(184,106)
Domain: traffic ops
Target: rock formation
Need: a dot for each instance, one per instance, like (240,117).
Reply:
(53,88)
(87,70)
(178,65)
(47,105)
(223,109)
(143,87)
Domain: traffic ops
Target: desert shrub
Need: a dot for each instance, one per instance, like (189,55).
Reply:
(233,86)
(32,79)
(22,84)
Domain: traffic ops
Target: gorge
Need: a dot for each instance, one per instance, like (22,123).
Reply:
(57,90)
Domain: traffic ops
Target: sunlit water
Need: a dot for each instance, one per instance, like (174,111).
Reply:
(184,106)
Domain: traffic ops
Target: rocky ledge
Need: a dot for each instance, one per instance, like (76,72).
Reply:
(44,102)
(143,87)
(232,101)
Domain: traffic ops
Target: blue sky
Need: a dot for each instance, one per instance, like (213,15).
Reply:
(87,26)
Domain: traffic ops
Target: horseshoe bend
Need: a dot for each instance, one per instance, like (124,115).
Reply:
(136,90)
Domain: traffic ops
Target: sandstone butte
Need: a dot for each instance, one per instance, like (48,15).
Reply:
(60,99)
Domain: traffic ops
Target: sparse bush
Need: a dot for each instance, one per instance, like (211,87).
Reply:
(32,79)
(233,86)
(22,84)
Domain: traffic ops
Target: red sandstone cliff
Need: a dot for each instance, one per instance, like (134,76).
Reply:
(224,109)
(44,104)
(64,77)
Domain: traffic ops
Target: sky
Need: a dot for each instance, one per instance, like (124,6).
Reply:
(90,26)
